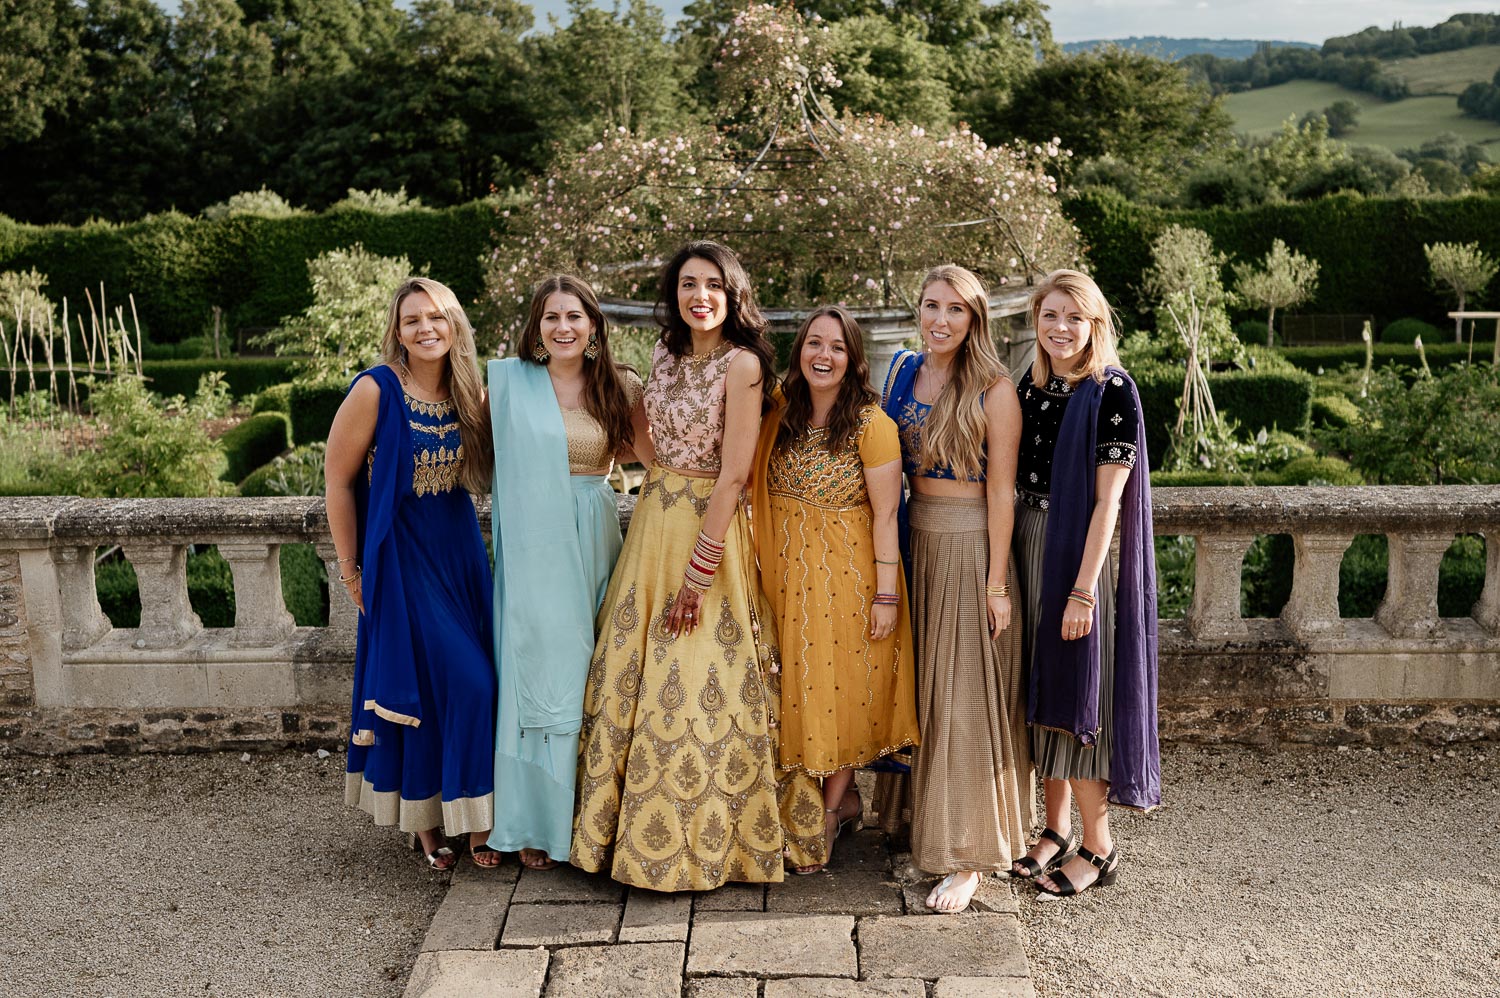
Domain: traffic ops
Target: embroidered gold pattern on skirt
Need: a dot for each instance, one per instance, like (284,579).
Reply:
(678,787)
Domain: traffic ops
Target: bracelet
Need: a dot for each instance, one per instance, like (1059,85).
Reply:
(703,563)
(342,560)
(997,591)
(886,599)
(1082,596)
(346,579)
(882,561)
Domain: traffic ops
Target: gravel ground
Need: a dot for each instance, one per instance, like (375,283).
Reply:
(201,875)
(1313,872)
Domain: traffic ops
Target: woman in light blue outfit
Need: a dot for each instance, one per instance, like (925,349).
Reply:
(561,412)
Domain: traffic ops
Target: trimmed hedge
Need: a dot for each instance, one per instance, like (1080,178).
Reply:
(1369,249)
(1270,399)
(1334,412)
(1407,330)
(254,268)
(254,442)
(1329,358)
(313,408)
(243,375)
(277,398)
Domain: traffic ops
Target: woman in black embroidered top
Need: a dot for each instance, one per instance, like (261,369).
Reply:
(1075,345)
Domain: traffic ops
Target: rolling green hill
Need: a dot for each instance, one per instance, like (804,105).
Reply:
(1448,72)
(1403,124)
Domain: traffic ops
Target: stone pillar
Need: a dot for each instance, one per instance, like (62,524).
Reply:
(343,615)
(1409,609)
(16,688)
(1312,611)
(84,623)
(1216,586)
(1487,610)
(261,619)
(167,618)
(880,348)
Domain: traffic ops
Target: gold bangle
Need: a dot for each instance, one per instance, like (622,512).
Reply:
(350,578)
(997,591)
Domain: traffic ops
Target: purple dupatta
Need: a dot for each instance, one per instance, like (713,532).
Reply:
(1065,694)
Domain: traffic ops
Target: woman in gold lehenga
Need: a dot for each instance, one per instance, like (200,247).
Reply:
(827,487)
(677,769)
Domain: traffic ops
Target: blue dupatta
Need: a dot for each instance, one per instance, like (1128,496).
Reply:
(538,557)
(1065,695)
(385,674)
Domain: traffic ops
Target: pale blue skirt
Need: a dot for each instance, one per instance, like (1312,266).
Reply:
(536,770)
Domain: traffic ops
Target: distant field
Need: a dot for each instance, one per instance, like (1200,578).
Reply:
(1448,72)
(1403,124)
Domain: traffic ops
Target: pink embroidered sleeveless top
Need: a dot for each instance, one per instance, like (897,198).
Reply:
(685,407)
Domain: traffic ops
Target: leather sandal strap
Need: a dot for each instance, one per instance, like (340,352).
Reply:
(1065,888)
(1030,867)
(1094,858)
(1052,836)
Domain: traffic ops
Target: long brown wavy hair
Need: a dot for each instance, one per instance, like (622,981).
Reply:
(1100,352)
(854,390)
(462,378)
(604,389)
(955,432)
(745,326)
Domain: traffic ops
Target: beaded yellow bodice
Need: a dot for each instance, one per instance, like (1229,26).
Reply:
(808,472)
(588,445)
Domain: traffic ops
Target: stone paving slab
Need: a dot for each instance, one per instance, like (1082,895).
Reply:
(648,970)
(732,897)
(766,944)
(981,945)
(833,987)
(983,987)
(470,916)
(508,872)
(863,850)
(724,987)
(465,974)
(829,893)
(567,884)
(994,896)
(654,917)
(560,924)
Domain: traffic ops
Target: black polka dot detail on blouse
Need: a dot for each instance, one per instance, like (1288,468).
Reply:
(1041,418)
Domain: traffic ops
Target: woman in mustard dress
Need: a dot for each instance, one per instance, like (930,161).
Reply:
(829,482)
(678,786)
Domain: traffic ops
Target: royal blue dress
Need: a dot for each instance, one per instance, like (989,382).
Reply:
(422,739)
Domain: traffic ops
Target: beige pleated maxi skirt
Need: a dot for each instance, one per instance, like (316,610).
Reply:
(970,799)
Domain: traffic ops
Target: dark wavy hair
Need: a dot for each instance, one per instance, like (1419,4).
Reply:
(604,395)
(745,326)
(854,390)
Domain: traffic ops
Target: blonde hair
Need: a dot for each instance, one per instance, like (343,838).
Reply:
(463,380)
(1100,351)
(955,431)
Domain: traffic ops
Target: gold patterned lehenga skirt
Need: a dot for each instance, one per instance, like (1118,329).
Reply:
(678,786)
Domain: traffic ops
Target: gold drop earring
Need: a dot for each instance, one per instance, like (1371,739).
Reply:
(592,350)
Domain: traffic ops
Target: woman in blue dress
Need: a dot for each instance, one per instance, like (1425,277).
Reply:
(561,412)
(407,447)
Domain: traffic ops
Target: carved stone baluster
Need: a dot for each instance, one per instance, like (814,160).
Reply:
(1216,586)
(261,619)
(1312,611)
(1487,610)
(343,615)
(83,622)
(167,618)
(1409,609)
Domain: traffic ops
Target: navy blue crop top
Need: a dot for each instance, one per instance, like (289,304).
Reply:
(901,404)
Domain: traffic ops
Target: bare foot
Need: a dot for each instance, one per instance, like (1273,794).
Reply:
(953,893)
(536,859)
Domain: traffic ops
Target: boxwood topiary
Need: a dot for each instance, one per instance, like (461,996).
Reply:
(276,398)
(1407,330)
(254,442)
(313,409)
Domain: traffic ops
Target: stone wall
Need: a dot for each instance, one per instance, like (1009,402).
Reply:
(69,681)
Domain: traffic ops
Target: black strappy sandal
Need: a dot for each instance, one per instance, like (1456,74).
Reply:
(1067,849)
(483,849)
(1109,870)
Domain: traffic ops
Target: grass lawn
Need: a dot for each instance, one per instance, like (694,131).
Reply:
(1403,124)
(1448,72)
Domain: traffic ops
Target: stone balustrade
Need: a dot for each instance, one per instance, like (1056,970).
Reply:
(68,679)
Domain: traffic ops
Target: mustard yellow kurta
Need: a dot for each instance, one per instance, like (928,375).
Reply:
(846,700)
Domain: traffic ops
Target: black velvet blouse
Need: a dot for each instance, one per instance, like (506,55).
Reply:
(1041,418)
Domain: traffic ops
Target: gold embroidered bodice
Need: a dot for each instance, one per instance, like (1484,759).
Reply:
(685,406)
(588,446)
(437,448)
(808,472)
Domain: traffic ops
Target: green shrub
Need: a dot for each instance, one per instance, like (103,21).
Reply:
(1266,578)
(1328,358)
(253,443)
(1251,332)
(243,375)
(1333,411)
(1259,399)
(313,409)
(1208,479)
(299,473)
(304,584)
(276,398)
(1461,576)
(1407,330)
(1319,469)
(1362,576)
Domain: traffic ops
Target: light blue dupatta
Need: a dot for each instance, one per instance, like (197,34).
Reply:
(544,634)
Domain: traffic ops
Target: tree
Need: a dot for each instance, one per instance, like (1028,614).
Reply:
(340,332)
(41,65)
(889,68)
(1129,105)
(1342,116)
(1285,278)
(1463,269)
